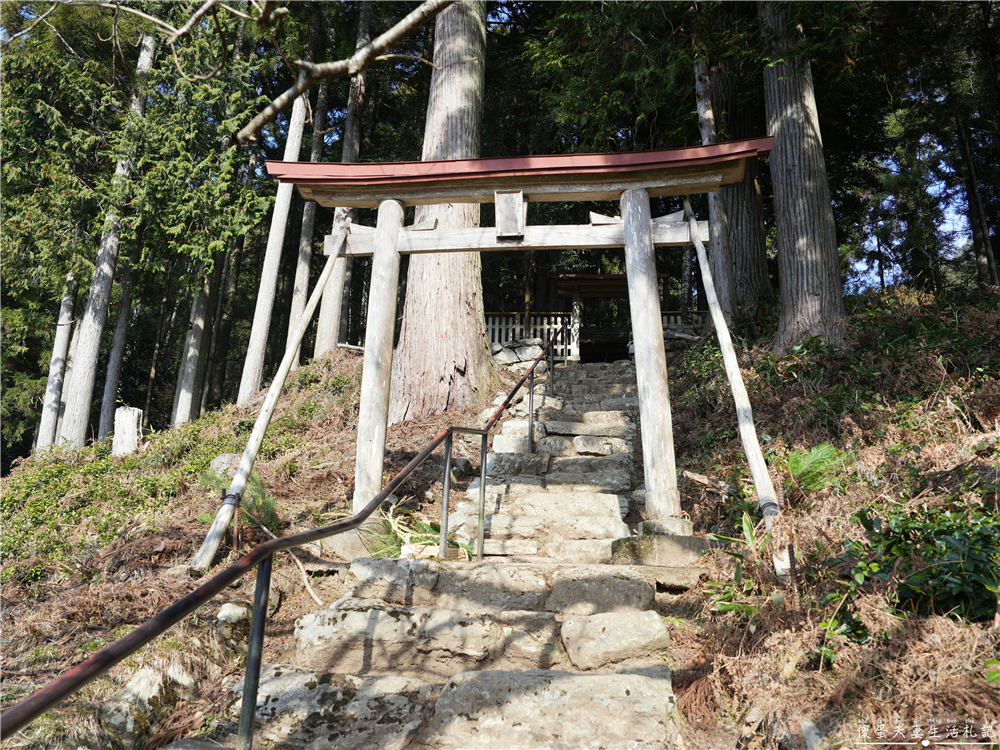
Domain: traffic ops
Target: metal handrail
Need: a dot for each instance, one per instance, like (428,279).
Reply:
(23,713)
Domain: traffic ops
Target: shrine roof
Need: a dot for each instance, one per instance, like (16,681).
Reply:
(567,177)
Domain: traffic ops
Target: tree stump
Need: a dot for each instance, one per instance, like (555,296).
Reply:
(128,431)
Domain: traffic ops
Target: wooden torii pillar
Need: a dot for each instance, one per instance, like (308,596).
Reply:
(510,183)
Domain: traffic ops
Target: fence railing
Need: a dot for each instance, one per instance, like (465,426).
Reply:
(23,713)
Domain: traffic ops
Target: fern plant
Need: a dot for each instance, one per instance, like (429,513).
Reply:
(816,470)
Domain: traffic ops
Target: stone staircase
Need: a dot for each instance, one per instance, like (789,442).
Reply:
(546,644)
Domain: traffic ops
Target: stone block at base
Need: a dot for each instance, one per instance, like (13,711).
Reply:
(669,526)
(658,549)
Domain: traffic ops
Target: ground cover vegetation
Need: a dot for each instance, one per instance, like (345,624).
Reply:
(886,447)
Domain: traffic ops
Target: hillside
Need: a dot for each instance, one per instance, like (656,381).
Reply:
(888,452)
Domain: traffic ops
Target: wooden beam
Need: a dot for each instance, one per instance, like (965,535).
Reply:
(483,239)
(484,190)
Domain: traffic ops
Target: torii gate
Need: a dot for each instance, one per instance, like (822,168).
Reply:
(631,178)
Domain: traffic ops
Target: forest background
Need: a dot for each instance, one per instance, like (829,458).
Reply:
(907,97)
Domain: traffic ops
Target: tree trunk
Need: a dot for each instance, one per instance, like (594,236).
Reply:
(208,336)
(743,201)
(253,368)
(986,268)
(225,326)
(300,289)
(106,424)
(442,361)
(163,340)
(812,299)
(332,326)
(57,367)
(718,221)
(68,377)
(74,427)
(186,400)
(215,300)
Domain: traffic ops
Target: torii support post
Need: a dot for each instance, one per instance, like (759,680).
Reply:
(663,504)
(374,407)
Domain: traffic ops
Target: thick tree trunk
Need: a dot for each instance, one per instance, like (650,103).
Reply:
(442,360)
(108,402)
(68,377)
(74,426)
(743,202)
(812,300)
(718,221)
(253,368)
(332,326)
(57,367)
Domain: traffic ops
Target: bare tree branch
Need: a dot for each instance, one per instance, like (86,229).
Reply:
(310,74)
(195,17)
(30,28)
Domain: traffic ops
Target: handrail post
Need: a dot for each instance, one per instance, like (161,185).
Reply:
(255,654)
(552,369)
(445,495)
(531,412)
(482,500)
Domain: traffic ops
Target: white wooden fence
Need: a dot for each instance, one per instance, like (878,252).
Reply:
(505,327)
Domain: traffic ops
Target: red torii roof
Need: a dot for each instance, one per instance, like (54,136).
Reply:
(677,171)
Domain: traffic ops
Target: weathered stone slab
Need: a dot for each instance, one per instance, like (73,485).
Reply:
(409,582)
(520,427)
(620,404)
(479,588)
(531,641)
(556,445)
(549,414)
(132,714)
(505,357)
(601,481)
(606,417)
(658,549)
(526,353)
(543,527)
(626,431)
(568,505)
(502,487)
(596,551)
(297,708)
(510,547)
(551,709)
(586,591)
(504,464)
(671,526)
(593,463)
(510,443)
(600,446)
(596,640)
(362,636)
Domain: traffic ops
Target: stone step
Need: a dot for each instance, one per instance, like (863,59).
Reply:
(626,431)
(584,551)
(559,505)
(489,586)
(515,462)
(549,709)
(530,710)
(362,636)
(554,528)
